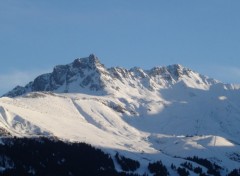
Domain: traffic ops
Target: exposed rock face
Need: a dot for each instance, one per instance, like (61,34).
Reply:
(89,75)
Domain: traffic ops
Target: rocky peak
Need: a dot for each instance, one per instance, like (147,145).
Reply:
(176,70)
(138,72)
(88,75)
(93,59)
(91,62)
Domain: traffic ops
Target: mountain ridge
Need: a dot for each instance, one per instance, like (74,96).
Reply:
(88,73)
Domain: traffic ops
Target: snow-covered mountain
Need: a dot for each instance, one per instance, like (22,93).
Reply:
(88,75)
(166,113)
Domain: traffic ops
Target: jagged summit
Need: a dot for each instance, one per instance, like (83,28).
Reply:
(88,75)
(91,62)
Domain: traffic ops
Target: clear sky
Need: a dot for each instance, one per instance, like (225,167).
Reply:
(203,35)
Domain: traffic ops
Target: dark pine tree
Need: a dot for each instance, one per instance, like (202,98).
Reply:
(158,169)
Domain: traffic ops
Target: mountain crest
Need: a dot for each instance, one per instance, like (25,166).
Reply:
(88,75)
(91,62)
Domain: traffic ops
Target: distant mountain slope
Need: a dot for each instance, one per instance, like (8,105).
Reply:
(166,113)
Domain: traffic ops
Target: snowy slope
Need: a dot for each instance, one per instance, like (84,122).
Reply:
(166,113)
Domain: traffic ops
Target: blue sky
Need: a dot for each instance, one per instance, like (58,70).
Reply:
(36,35)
